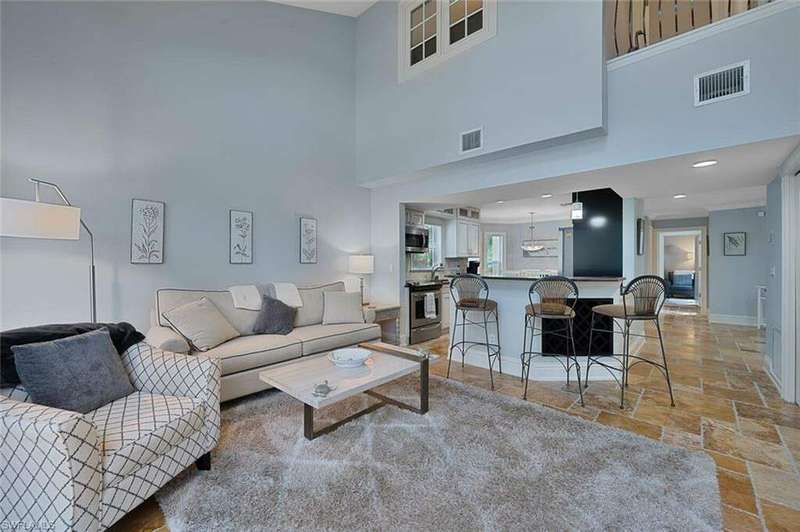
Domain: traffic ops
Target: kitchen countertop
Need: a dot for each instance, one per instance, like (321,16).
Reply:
(597,279)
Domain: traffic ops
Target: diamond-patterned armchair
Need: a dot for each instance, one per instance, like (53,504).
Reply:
(62,470)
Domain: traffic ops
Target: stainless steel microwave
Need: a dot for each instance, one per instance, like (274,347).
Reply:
(416,239)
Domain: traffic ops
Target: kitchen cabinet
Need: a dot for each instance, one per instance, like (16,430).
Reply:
(414,217)
(463,238)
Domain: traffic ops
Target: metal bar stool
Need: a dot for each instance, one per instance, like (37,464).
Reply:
(553,294)
(470,293)
(648,295)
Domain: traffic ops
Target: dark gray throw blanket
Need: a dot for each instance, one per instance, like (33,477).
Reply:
(123,335)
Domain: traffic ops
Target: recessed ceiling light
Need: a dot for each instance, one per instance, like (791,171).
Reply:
(679,196)
(703,164)
(500,202)
(547,196)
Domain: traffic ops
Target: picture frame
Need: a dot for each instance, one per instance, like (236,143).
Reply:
(308,240)
(147,231)
(734,244)
(240,237)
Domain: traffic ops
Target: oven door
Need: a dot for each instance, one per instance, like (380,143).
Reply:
(418,318)
(416,239)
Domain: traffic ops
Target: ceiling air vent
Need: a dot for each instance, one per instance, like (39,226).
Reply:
(471,140)
(722,83)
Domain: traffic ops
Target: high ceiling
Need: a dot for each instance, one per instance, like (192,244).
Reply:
(350,8)
(738,180)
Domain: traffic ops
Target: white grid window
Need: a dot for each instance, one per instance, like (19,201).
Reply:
(424,31)
(465,18)
(431,31)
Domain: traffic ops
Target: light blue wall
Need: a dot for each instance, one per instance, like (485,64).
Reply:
(206,106)
(774,271)
(732,280)
(546,59)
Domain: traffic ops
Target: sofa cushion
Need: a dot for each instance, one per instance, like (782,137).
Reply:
(319,338)
(169,298)
(247,352)
(201,323)
(342,307)
(141,427)
(275,317)
(313,307)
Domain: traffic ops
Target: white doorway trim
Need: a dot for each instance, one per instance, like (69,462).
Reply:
(701,231)
(790,285)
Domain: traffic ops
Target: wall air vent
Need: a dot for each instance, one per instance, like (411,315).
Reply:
(471,140)
(722,83)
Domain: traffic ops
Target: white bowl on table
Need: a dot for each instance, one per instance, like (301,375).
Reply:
(349,357)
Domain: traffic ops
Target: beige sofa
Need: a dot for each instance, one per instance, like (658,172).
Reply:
(244,357)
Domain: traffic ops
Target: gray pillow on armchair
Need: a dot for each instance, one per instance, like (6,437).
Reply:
(79,373)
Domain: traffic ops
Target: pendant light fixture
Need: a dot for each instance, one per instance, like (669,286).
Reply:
(577,209)
(530,245)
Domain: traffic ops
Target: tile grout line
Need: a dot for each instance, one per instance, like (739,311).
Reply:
(756,497)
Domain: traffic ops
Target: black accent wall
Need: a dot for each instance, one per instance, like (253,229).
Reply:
(597,239)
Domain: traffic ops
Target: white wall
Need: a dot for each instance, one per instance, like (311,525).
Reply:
(206,106)
(650,115)
(546,57)
(678,253)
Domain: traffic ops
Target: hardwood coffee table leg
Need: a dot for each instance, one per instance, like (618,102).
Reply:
(423,386)
(308,421)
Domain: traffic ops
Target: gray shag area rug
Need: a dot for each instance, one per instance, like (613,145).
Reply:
(476,461)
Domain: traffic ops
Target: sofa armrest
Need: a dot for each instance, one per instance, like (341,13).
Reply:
(163,372)
(50,469)
(166,339)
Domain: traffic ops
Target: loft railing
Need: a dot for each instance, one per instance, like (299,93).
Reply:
(636,24)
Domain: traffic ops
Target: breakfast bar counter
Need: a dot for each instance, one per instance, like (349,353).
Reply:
(511,295)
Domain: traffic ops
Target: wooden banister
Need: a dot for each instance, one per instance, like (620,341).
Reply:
(636,24)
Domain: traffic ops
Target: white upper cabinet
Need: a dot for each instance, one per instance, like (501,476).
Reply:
(464,235)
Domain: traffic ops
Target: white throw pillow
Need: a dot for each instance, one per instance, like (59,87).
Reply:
(201,323)
(342,307)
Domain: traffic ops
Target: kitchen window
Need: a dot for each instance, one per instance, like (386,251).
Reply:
(433,257)
(495,253)
(431,31)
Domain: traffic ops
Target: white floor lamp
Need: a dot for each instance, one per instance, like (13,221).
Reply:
(36,219)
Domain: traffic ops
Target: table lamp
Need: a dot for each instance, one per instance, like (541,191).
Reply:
(361,265)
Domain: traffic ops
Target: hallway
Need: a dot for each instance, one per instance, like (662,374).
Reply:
(726,404)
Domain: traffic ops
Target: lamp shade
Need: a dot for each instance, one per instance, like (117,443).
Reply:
(361,264)
(32,219)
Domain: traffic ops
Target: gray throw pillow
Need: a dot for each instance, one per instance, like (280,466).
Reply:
(80,373)
(276,317)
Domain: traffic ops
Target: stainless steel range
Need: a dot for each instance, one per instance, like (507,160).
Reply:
(424,323)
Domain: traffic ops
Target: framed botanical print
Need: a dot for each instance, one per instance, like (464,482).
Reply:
(240,237)
(147,231)
(734,244)
(308,240)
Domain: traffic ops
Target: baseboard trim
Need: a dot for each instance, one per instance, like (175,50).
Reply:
(732,319)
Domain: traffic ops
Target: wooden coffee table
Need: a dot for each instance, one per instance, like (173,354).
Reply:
(386,363)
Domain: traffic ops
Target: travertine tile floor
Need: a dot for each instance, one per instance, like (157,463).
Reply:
(725,404)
